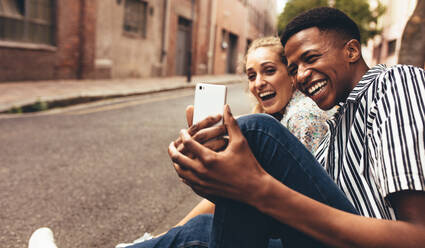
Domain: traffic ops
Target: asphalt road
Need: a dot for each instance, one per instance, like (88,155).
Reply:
(97,174)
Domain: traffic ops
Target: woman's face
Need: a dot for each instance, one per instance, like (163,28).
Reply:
(268,79)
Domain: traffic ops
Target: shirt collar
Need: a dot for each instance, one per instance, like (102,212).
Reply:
(364,83)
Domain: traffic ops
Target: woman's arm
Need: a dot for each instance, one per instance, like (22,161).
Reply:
(203,207)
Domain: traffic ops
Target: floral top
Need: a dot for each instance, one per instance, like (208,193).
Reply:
(306,120)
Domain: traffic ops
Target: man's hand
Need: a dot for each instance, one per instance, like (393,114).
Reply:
(204,132)
(232,173)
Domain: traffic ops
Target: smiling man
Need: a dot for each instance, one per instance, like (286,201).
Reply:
(371,190)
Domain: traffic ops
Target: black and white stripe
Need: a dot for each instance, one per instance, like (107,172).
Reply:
(376,142)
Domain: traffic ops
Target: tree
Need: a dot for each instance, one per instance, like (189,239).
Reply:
(413,40)
(295,7)
(358,10)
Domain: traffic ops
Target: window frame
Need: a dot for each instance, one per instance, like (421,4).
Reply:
(141,27)
(24,38)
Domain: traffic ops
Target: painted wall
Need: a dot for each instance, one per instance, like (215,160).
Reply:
(123,55)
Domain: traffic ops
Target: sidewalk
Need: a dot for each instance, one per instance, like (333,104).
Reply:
(66,92)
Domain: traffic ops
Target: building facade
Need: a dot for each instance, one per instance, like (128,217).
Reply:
(60,39)
(384,48)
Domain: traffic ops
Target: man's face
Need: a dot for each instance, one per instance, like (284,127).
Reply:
(317,66)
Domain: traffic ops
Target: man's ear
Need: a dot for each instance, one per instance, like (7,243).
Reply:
(352,51)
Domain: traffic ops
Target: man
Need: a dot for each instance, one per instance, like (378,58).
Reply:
(375,153)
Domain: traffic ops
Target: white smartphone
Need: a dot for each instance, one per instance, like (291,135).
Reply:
(209,101)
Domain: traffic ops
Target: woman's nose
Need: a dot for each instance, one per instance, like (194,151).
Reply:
(259,81)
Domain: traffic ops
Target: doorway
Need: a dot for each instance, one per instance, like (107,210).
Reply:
(183,46)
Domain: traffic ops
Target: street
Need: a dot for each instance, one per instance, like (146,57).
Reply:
(97,174)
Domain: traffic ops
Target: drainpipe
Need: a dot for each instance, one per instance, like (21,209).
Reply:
(211,42)
(164,38)
(192,16)
(82,40)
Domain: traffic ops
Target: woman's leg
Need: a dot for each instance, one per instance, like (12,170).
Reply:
(195,234)
(285,158)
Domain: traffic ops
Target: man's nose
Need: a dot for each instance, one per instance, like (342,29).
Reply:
(303,74)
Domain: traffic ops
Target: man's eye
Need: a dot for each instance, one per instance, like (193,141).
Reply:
(311,58)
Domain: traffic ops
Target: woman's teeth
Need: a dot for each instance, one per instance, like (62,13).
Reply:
(267,95)
(316,87)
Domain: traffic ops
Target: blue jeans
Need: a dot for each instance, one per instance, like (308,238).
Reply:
(239,225)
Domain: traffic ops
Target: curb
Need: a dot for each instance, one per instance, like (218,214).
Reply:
(31,107)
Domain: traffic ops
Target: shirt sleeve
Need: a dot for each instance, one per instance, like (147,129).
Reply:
(398,131)
(309,126)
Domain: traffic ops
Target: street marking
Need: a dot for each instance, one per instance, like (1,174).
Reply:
(126,104)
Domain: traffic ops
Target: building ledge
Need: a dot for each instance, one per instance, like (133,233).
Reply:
(27,46)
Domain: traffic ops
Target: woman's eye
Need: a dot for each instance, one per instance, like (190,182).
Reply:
(251,77)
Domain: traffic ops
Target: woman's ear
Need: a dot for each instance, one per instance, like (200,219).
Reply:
(352,50)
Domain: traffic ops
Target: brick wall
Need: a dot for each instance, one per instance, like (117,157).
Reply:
(72,55)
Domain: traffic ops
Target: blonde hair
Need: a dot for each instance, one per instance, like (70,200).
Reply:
(269,41)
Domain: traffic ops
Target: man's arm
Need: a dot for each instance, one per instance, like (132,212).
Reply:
(342,229)
(212,173)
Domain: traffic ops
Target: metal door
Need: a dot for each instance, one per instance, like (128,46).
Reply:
(183,46)
(232,53)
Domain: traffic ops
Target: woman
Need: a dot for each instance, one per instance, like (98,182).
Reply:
(269,83)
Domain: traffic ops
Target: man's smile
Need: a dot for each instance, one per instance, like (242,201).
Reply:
(315,87)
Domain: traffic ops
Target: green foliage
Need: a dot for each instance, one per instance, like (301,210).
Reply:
(40,106)
(358,10)
(295,7)
(15,110)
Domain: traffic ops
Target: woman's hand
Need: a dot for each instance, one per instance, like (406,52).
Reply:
(232,173)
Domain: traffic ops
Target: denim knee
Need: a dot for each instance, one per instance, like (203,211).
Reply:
(260,121)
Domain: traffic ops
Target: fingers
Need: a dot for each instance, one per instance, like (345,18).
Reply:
(218,144)
(209,133)
(205,123)
(189,115)
(177,157)
(204,154)
(230,123)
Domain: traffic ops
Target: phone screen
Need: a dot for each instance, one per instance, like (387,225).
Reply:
(209,101)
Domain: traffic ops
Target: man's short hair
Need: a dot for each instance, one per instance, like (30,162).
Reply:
(325,19)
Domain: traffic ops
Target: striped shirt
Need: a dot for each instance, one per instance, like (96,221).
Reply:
(375,145)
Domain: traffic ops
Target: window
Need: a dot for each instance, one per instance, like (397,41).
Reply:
(29,21)
(135,17)
(391,47)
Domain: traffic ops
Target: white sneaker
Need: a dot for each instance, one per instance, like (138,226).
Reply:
(42,238)
(146,236)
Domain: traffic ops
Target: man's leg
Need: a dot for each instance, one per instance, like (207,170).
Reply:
(286,159)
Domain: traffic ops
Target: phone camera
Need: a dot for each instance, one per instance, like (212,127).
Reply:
(201,87)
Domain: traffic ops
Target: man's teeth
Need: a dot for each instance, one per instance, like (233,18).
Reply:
(316,87)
